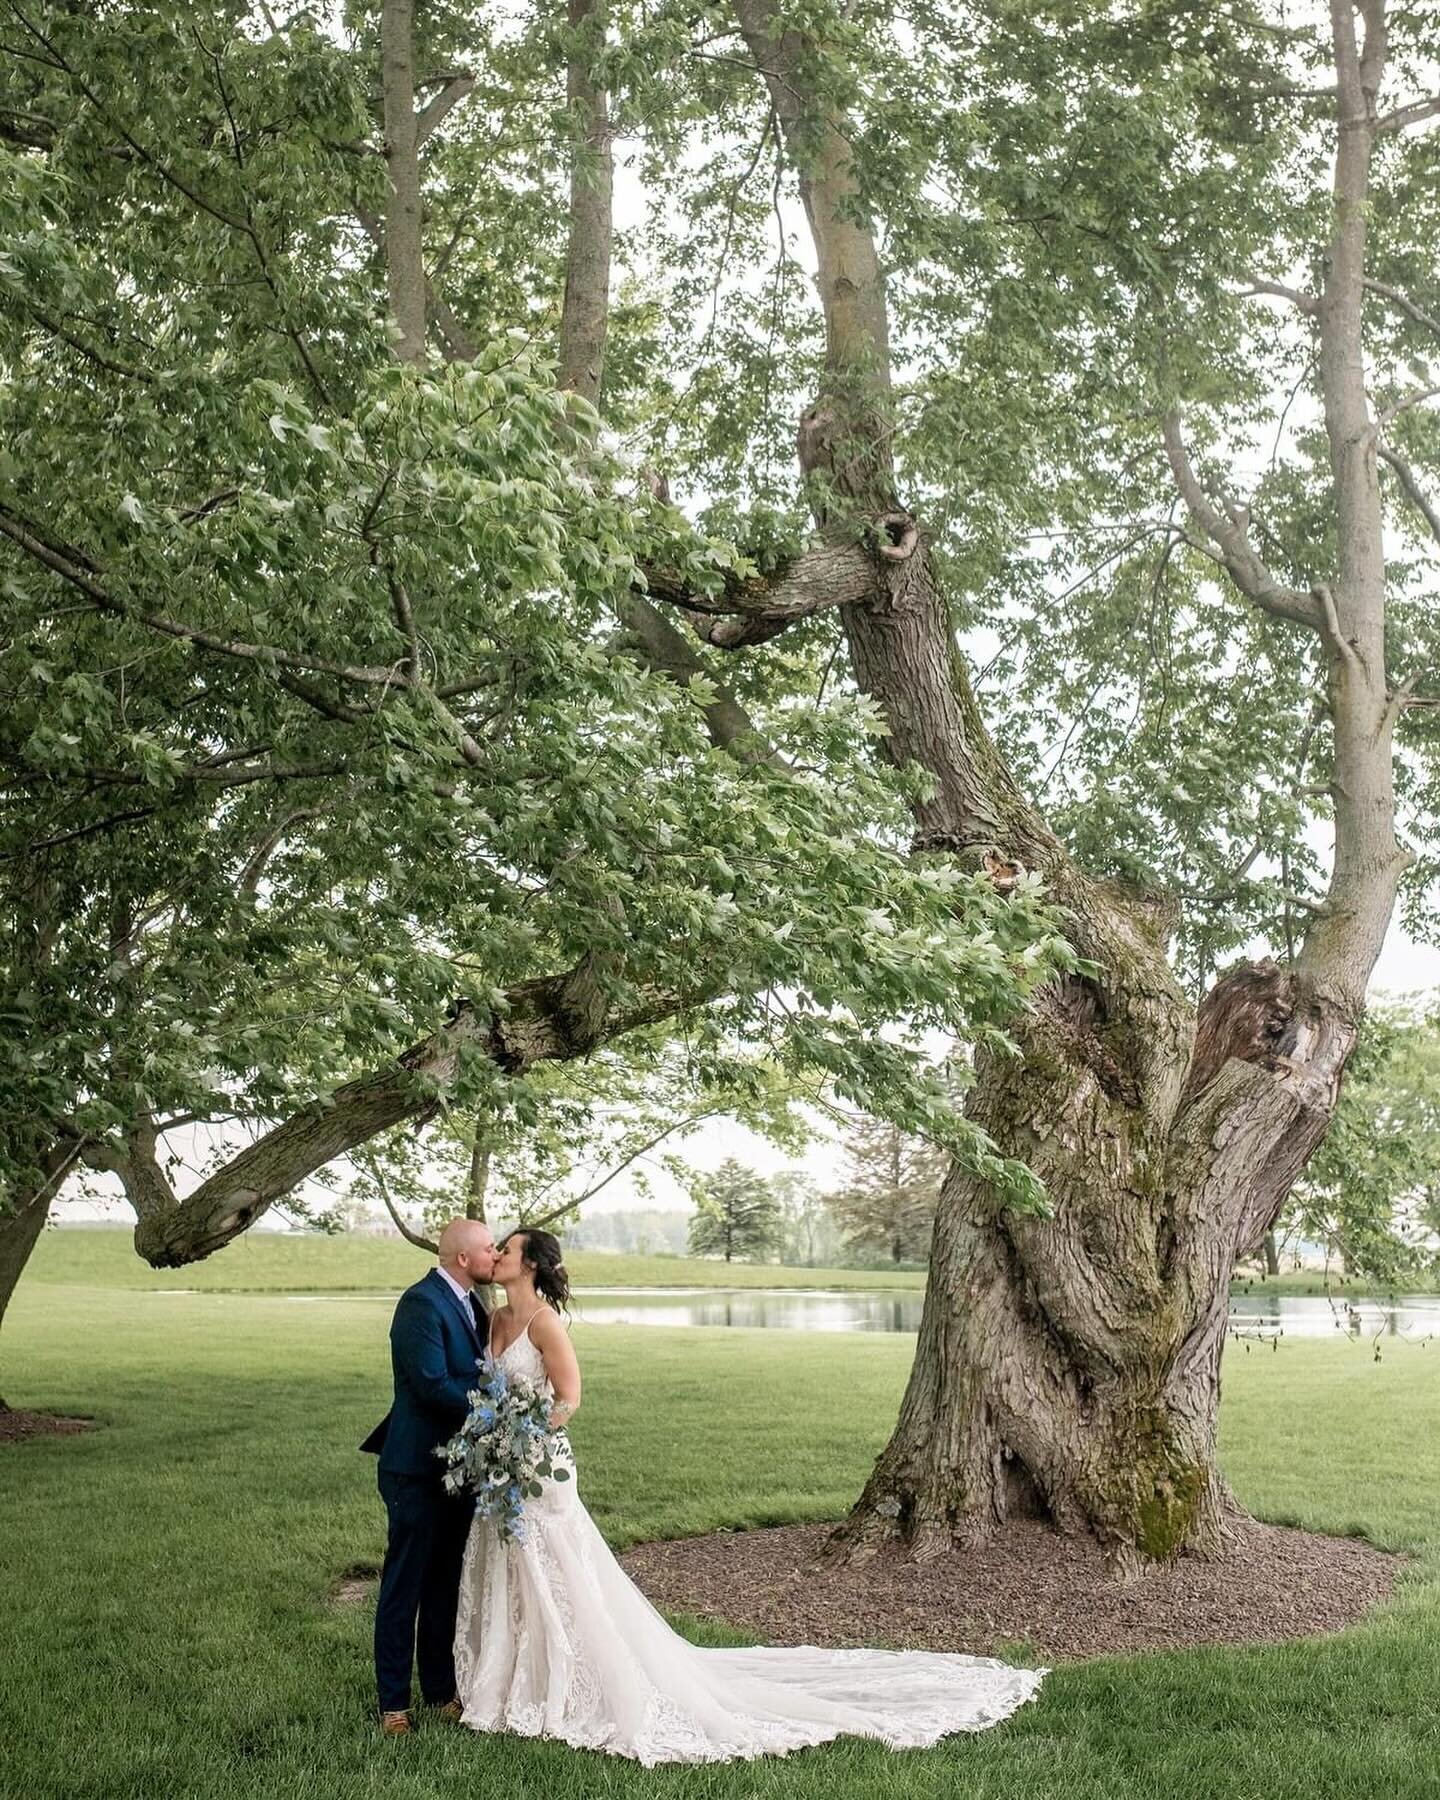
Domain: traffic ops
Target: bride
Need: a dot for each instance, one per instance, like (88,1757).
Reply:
(553,1639)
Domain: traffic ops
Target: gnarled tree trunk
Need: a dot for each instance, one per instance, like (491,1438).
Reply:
(1070,1366)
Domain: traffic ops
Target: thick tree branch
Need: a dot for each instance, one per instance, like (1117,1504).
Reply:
(532,1026)
(64,563)
(1247,570)
(647,637)
(455,340)
(1256,285)
(435,111)
(458,344)
(585,314)
(748,610)
(1344,940)
(899,633)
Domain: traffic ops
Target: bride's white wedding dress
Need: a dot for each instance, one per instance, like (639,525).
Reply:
(554,1640)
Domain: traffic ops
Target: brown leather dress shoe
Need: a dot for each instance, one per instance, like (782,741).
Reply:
(452,1710)
(396,1724)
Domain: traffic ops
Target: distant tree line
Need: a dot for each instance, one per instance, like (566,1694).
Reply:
(882,1213)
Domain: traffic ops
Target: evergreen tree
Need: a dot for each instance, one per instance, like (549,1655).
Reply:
(736,1215)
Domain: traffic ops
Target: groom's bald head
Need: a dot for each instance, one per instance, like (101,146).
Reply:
(467,1250)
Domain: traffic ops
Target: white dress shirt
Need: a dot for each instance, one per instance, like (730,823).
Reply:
(463,1295)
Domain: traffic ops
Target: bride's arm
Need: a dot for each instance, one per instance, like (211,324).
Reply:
(552,1340)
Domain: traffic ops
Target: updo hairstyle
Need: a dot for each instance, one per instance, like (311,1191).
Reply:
(541,1253)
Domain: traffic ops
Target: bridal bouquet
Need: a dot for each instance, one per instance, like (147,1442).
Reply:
(504,1451)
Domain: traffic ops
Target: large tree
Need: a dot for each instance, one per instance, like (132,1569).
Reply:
(1109,242)
(1071,1365)
(348,778)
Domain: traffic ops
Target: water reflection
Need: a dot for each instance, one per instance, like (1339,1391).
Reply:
(1414,1316)
(756,1308)
(1254,1316)
(1407,1316)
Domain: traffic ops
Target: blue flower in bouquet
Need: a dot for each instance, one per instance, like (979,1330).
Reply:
(505,1451)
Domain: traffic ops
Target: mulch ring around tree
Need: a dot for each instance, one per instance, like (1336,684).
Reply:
(1027,1589)
(20,1427)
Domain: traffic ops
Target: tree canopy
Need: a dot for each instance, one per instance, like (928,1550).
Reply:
(327,739)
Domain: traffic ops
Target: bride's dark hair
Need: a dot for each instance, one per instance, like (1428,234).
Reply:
(541,1252)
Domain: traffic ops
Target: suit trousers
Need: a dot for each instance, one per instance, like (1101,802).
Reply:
(419,1588)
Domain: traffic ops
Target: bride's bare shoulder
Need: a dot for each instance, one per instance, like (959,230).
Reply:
(546,1326)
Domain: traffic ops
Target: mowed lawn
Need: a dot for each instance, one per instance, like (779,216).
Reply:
(166,1629)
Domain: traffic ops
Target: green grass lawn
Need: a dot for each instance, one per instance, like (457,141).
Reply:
(165,1631)
(276,1263)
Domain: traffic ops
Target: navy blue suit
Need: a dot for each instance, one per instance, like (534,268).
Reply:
(436,1339)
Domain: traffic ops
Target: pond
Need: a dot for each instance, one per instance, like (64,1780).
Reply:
(769,1309)
(788,1309)
(1407,1315)
(814,1309)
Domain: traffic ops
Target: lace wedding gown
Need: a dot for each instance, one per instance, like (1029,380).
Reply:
(553,1639)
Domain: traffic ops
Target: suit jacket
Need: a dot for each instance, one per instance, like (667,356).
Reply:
(434,1348)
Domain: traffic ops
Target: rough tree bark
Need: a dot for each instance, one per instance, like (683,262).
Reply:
(1070,1367)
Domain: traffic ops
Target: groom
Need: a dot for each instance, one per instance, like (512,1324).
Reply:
(436,1338)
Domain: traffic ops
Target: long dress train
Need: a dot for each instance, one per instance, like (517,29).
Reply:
(554,1640)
